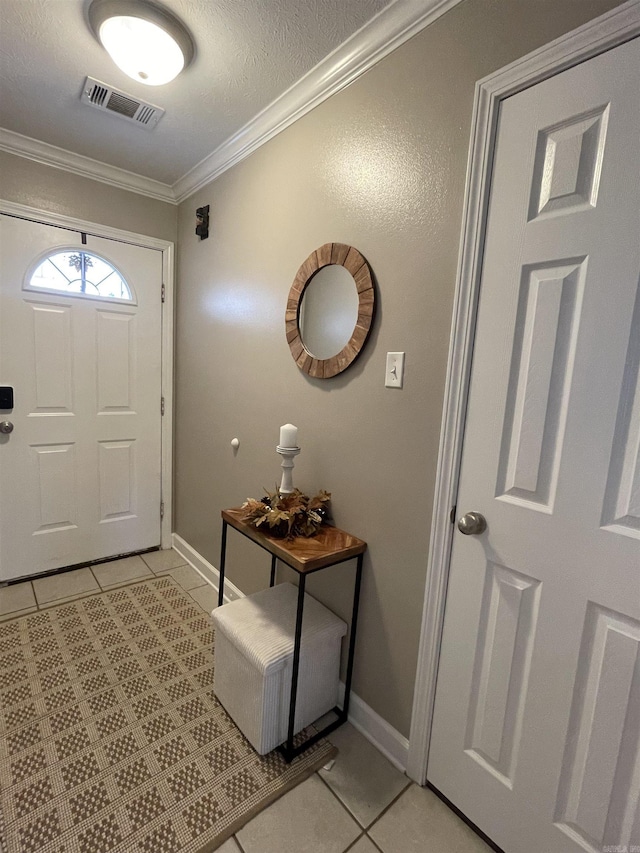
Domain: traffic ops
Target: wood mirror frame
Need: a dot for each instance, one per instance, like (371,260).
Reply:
(353,262)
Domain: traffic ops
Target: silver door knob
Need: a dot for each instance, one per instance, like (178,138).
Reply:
(6,427)
(472,522)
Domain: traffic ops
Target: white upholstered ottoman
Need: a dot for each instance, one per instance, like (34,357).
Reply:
(254,657)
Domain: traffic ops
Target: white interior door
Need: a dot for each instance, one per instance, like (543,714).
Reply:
(81,471)
(536,733)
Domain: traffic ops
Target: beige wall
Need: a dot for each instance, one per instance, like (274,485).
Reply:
(24,182)
(381,166)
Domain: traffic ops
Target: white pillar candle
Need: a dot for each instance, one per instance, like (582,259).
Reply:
(288,435)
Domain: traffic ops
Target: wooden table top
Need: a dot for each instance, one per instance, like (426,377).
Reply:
(304,554)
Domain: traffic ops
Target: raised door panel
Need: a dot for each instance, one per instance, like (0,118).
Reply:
(546,329)
(52,359)
(599,792)
(116,362)
(118,486)
(568,164)
(621,513)
(54,488)
(501,670)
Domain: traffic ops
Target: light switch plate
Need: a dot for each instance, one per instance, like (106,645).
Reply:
(395,370)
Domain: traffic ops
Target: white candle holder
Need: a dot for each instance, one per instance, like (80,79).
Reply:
(288,454)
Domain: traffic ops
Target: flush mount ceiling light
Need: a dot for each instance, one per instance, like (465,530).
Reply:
(144,40)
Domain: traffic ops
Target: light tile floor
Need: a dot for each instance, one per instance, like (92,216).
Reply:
(363,804)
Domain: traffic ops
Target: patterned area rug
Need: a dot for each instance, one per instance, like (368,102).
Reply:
(112,738)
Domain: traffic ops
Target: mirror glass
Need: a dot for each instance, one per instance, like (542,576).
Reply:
(328,311)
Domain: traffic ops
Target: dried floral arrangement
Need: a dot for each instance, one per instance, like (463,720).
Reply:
(288,515)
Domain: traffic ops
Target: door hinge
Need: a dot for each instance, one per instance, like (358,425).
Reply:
(162,405)
(452,515)
(161,509)
(162,293)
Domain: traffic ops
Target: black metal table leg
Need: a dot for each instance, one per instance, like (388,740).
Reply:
(273,570)
(223,556)
(352,637)
(288,751)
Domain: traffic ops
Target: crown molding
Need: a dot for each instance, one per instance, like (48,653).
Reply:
(390,28)
(86,167)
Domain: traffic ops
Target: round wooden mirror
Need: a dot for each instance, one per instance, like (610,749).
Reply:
(327,324)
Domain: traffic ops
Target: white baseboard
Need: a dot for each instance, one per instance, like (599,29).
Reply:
(205,568)
(388,741)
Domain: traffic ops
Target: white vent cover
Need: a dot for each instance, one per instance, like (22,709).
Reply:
(106,98)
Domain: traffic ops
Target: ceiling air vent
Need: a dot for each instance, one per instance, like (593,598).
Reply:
(106,98)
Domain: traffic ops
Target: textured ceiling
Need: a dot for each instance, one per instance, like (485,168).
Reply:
(247,53)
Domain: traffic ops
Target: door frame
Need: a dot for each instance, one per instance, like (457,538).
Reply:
(609,30)
(168,279)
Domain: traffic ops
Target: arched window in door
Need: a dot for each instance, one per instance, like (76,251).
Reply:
(79,273)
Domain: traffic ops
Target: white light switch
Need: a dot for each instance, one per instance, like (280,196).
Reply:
(395,370)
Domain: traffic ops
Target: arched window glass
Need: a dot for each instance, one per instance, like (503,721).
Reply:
(80,273)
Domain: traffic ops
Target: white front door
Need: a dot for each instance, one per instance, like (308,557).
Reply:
(536,733)
(80,475)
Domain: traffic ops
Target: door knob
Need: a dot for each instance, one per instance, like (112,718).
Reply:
(6,427)
(472,522)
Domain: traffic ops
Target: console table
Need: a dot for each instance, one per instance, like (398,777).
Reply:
(328,547)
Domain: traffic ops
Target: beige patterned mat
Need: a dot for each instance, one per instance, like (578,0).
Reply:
(112,738)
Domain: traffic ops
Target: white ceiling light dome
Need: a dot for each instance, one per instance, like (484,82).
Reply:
(145,40)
